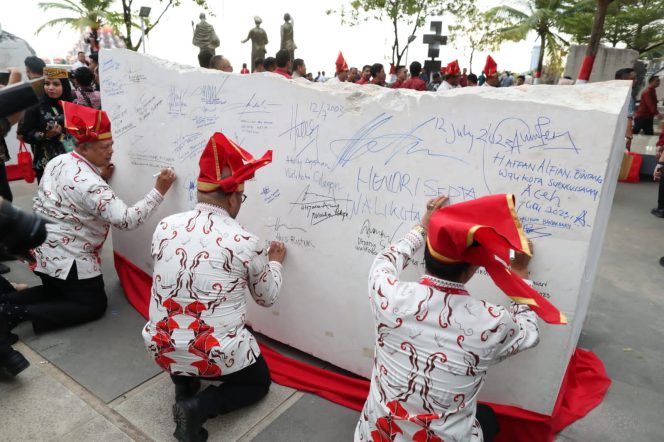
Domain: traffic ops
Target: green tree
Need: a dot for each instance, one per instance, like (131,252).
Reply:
(638,24)
(127,20)
(81,15)
(473,30)
(409,14)
(540,16)
(95,13)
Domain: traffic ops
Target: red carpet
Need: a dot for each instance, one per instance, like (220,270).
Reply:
(583,388)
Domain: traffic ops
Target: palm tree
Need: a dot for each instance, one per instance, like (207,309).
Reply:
(542,17)
(83,14)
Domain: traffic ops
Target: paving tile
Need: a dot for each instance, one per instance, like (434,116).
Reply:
(312,419)
(97,430)
(106,356)
(151,411)
(41,409)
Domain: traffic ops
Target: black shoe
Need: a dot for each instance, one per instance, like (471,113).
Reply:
(7,257)
(4,269)
(188,390)
(659,213)
(11,316)
(188,421)
(14,363)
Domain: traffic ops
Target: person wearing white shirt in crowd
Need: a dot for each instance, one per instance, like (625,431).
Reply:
(81,207)
(299,68)
(204,263)
(80,62)
(452,73)
(491,72)
(341,70)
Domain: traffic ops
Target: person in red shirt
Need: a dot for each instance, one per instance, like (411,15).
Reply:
(463,81)
(244,69)
(415,82)
(366,75)
(283,63)
(402,75)
(647,111)
(378,74)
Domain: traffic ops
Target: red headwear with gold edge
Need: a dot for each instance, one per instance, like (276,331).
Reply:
(492,223)
(86,123)
(220,152)
(453,68)
(341,63)
(490,67)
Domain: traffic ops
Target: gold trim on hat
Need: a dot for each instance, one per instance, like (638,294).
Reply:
(216,158)
(440,257)
(53,73)
(522,235)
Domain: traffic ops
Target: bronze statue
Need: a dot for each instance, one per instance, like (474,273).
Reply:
(287,42)
(258,38)
(206,39)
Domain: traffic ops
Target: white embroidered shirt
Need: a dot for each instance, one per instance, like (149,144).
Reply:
(434,344)
(204,263)
(82,207)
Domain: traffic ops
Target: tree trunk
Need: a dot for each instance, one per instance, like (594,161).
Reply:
(593,44)
(470,64)
(126,15)
(540,59)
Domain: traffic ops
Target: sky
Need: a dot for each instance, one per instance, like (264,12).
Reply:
(319,36)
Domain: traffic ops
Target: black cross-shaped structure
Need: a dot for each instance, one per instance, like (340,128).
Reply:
(434,41)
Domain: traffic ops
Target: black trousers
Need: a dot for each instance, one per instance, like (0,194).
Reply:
(61,303)
(238,389)
(645,124)
(488,422)
(660,195)
(5,190)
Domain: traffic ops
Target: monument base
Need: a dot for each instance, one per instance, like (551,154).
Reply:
(583,388)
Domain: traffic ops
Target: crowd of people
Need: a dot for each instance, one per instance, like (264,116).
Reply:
(415,76)
(196,330)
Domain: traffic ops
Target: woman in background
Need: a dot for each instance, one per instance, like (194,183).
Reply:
(43,125)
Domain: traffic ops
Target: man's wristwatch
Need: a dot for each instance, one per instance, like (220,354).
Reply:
(420,228)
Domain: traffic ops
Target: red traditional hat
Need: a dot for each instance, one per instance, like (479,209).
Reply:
(490,67)
(482,232)
(86,123)
(341,63)
(221,152)
(453,68)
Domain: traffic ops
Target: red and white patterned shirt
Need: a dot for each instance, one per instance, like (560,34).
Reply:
(204,262)
(82,207)
(434,344)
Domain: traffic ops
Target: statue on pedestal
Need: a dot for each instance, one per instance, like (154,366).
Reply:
(287,42)
(258,38)
(206,39)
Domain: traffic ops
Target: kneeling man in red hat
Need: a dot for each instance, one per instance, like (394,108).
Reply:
(434,342)
(81,207)
(204,263)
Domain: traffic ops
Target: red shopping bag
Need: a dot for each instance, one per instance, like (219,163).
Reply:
(631,165)
(24,160)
